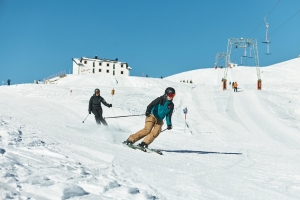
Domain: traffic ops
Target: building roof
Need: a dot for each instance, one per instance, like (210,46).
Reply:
(102,59)
(78,61)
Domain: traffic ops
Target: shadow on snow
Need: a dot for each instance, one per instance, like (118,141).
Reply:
(199,152)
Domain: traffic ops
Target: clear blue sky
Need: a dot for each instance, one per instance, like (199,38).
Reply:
(158,37)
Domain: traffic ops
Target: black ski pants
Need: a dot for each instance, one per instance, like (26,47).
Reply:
(99,117)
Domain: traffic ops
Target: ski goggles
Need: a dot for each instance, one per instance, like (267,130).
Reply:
(97,92)
(171,95)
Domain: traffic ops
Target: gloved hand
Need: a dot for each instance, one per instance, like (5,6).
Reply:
(109,105)
(169,127)
(90,112)
(148,114)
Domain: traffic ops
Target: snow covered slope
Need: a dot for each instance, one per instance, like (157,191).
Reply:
(243,145)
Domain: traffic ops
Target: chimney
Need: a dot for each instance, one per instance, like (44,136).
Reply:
(116,59)
(96,57)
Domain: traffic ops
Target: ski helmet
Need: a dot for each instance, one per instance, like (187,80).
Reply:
(170,90)
(97,90)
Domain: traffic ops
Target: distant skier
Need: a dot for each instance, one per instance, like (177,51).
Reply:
(95,107)
(235,85)
(8,82)
(232,85)
(160,108)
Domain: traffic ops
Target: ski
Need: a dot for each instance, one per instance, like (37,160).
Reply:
(135,147)
(154,150)
(149,150)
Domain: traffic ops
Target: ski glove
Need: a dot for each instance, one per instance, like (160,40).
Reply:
(90,112)
(109,105)
(148,114)
(169,127)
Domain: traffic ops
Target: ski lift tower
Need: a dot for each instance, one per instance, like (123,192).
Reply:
(243,43)
(221,56)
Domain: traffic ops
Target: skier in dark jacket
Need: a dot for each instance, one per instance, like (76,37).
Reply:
(160,108)
(95,107)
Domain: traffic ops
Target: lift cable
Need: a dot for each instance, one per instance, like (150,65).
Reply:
(272,9)
(285,22)
(263,19)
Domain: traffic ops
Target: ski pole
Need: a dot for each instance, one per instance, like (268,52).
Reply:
(123,116)
(85,118)
(164,129)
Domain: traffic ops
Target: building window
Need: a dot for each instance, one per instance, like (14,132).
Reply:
(85,62)
(121,65)
(100,64)
(107,64)
(107,71)
(100,70)
(121,72)
(93,64)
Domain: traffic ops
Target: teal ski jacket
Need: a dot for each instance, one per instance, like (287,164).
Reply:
(161,107)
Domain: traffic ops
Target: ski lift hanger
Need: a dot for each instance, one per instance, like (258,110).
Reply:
(267,42)
(250,55)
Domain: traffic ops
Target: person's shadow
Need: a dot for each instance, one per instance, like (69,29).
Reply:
(239,90)
(200,152)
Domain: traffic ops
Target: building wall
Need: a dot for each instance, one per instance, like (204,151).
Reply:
(96,66)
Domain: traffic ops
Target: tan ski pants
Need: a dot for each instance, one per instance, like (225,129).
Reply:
(151,130)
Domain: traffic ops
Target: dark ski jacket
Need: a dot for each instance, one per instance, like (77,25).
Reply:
(161,107)
(95,103)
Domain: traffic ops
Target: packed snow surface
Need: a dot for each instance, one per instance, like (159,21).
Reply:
(232,145)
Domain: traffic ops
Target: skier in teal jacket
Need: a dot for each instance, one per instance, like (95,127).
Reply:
(160,108)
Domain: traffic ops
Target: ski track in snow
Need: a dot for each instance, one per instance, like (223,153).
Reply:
(243,145)
(58,169)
